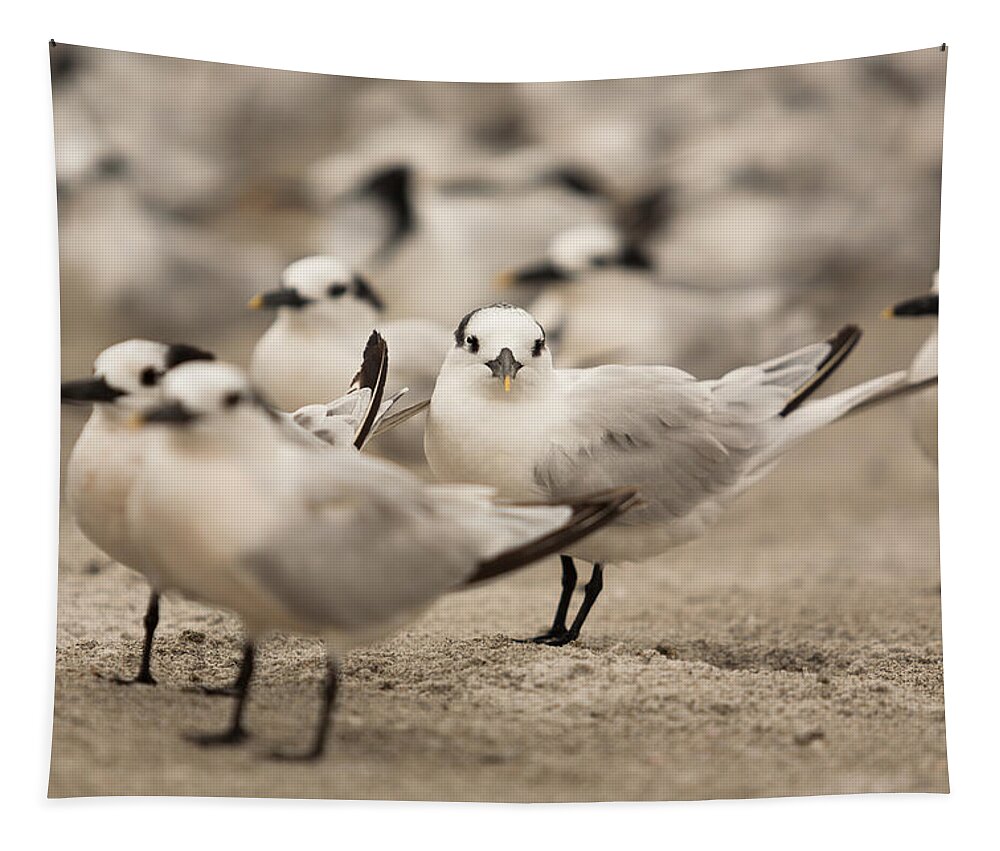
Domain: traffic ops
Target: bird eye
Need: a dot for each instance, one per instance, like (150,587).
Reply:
(336,290)
(231,400)
(473,343)
(149,376)
(536,350)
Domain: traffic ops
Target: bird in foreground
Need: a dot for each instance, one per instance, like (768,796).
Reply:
(502,415)
(317,542)
(325,311)
(923,368)
(109,453)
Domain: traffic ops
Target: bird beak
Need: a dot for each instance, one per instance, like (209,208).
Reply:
(90,390)
(505,367)
(283,297)
(505,279)
(925,305)
(539,275)
(169,413)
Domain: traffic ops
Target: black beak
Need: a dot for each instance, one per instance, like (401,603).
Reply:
(90,390)
(504,367)
(169,413)
(539,275)
(365,292)
(180,353)
(284,297)
(925,305)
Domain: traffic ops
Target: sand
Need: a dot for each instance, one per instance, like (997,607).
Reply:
(795,651)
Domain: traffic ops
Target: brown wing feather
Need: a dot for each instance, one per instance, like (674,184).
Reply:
(841,345)
(373,374)
(589,515)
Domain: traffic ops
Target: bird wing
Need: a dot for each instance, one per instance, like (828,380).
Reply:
(369,542)
(336,423)
(355,417)
(679,441)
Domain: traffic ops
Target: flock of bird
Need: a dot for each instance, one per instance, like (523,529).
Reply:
(188,474)
(637,248)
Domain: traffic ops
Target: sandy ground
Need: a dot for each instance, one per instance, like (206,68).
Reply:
(796,650)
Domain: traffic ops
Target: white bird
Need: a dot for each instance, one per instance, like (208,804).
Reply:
(370,221)
(924,368)
(313,541)
(325,312)
(502,415)
(434,218)
(108,455)
(603,300)
(160,274)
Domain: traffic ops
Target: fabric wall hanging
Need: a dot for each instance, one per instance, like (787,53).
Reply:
(520,442)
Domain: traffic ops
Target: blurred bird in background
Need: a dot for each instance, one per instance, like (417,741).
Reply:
(325,311)
(925,406)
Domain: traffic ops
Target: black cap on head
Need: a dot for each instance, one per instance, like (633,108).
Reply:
(179,353)
(576,179)
(364,291)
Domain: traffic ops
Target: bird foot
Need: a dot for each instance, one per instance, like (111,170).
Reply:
(312,755)
(560,640)
(214,691)
(140,679)
(233,736)
(544,638)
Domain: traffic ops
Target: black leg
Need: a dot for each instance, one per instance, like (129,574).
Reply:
(150,622)
(236,733)
(558,627)
(323,729)
(591,591)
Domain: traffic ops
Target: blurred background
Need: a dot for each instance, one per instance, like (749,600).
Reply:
(780,197)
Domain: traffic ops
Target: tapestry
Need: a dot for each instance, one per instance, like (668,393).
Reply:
(527,442)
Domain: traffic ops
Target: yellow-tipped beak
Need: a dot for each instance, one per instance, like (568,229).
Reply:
(257,302)
(887,313)
(506,384)
(504,280)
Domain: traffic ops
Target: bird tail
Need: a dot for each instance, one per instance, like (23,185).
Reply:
(821,412)
(840,346)
(587,515)
(895,392)
(782,384)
